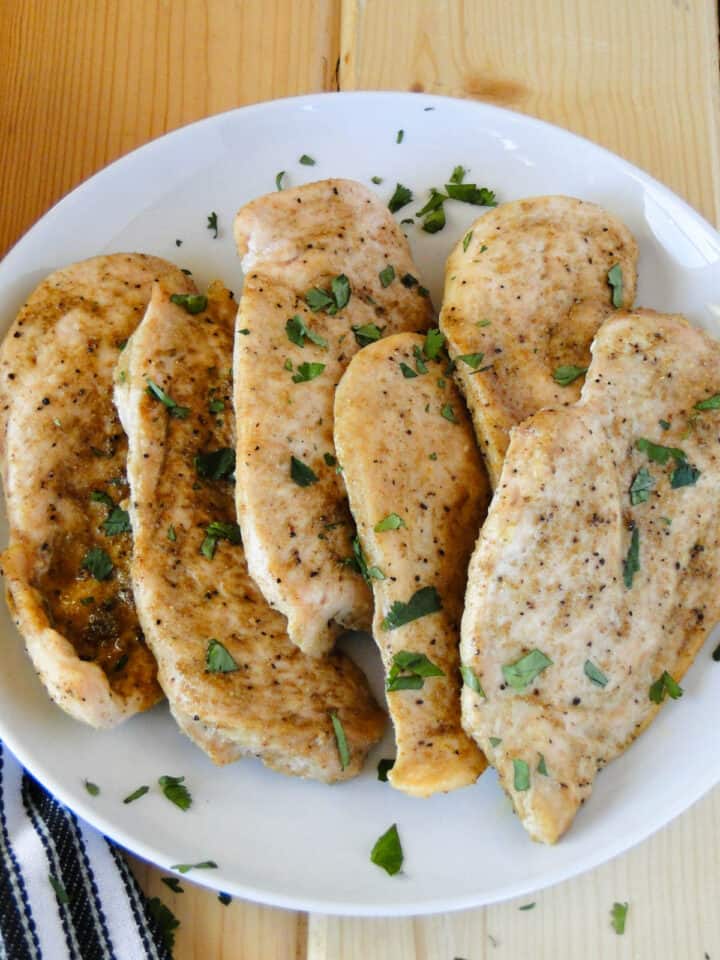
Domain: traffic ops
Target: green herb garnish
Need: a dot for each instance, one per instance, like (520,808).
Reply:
(218,659)
(448,413)
(408,280)
(215,464)
(434,341)
(391,522)
(212,223)
(136,794)
(470,679)
(301,474)
(366,334)
(330,460)
(191,302)
(279,180)
(684,475)
(307,161)
(99,496)
(709,403)
(342,743)
(657,452)
(92,788)
(118,521)
(664,424)
(358,562)
(171,535)
(387,275)
(174,409)
(471,193)
(387,852)
(307,372)
(466,240)
(187,867)
(642,484)
(521,779)
(665,685)
(176,792)
(527,906)
(173,883)
(419,360)
(615,279)
(407,371)
(376,180)
(383,768)
(542,767)
(568,374)
(166,921)
(424,601)
(523,671)
(400,136)
(297,331)
(618,916)
(595,674)
(495,741)
(97,563)
(631,564)
(409,670)
(400,198)
(435,221)
(473,360)
(219,530)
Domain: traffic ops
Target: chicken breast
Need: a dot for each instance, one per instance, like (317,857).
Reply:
(594,581)
(514,291)
(235,683)
(418,492)
(326,269)
(63,463)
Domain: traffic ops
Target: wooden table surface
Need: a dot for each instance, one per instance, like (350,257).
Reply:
(84,81)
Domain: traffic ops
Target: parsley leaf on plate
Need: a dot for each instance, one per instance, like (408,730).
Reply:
(342,744)
(665,684)
(218,659)
(387,852)
(424,601)
(191,302)
(297,332)
(568,374)
(470,679)
(400,198)
(97,563)
(631,564)
(216,464)
(391,522)
(594,674)
(301,474)
(615,279)
(174,409)
(176,791)
(409,670)
(522,672)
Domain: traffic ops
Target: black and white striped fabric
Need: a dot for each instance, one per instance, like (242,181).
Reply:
(97,912)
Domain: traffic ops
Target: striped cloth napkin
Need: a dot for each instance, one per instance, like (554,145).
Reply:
(66,892)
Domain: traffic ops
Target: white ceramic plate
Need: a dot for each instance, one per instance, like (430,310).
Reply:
(306,845)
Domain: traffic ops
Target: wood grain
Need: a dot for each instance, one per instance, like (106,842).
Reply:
(84,81)
(639,77)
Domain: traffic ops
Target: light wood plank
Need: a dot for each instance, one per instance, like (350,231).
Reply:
(672,883)
(84,81)
(640,77)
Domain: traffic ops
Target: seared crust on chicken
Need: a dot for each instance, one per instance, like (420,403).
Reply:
(599,560)
(410,459)
(515,288)
(297,536)
(63,463)
(257,694)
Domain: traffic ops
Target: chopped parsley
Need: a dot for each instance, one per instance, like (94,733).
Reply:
(330,460)
(171,535)
(466,240)
(424,601)
(458,174)
(358,562)
(366,334)
(97,563)
(568,374)
(408,280)
(407,371)
(297,332)
(615,279)
(342,744)
(657,452)
(684,475)
(301,474)
(180,413)
(86,601)
(542,766)
(376,180)
(527,906)
(118,521)
(495,741)
(307,372)
(400,198)
(212,223)
(383,768)
(218,659)
(409,670)
(449,414)
(387,275)
(665,685)
(631,564)
(187,867)
(216,406)
(434,341)
(710,403)
(99,496)
(716,654)
(307,161)
(471,193)
(391,522)
(521,776)
(92,788)
(594,674)
(642,484)
(136,794)
(279,180)
(435,221)
(219,530)
(664,424)
(419,360)
(330,302)
(176,792)
(193,303)
(473,360)
(60,891)
(470,679)
(618,916)
(215,464)
(483,323)
(400,136)
(523,671)
(387,852)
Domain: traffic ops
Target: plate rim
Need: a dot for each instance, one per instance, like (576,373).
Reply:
(299,902)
